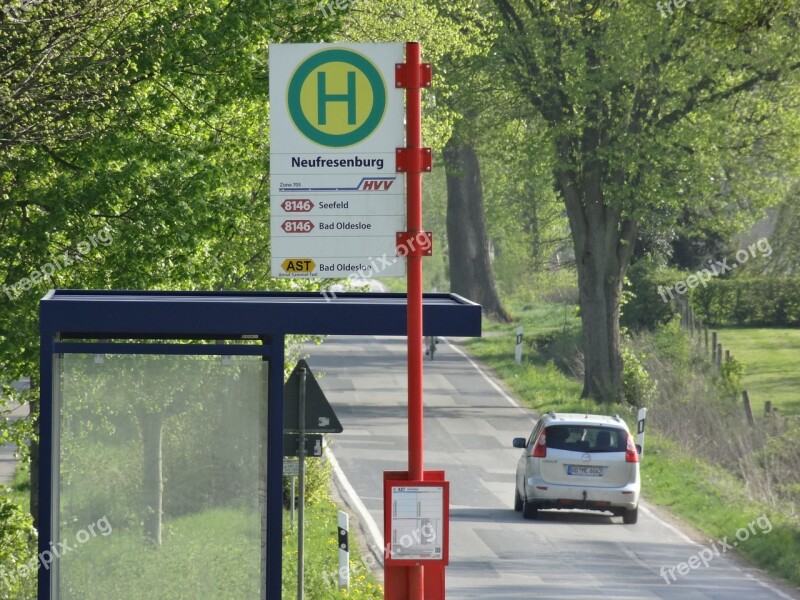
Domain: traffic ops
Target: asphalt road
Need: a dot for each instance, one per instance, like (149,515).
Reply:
(494,553)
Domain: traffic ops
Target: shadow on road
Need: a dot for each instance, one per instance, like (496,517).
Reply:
(508,515)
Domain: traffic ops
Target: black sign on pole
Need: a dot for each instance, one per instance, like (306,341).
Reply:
(320,417)
(313,444)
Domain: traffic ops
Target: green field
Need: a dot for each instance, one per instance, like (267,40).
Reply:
(772,365)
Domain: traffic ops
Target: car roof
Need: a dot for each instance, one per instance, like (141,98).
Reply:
(583,419)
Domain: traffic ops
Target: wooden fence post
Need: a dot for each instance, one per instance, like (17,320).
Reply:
(747,408)
(714,347)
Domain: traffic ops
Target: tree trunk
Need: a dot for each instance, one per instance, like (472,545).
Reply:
(470,266)
(603,241)
(153,482)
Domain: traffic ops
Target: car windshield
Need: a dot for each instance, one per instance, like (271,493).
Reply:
(586,438)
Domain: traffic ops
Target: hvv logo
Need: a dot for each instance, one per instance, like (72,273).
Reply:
(376,184)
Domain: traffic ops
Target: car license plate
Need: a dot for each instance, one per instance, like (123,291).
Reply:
(586,471)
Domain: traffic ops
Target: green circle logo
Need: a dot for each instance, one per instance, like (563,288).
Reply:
(336,98)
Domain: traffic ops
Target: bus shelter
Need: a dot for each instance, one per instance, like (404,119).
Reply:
(161,433)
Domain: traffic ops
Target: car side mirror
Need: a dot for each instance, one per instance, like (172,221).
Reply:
(639,449)
(519,442)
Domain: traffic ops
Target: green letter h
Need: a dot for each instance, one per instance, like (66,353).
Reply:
(323,98)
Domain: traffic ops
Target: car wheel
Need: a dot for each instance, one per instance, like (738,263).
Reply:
(629,517)
(517,500)
(529,510)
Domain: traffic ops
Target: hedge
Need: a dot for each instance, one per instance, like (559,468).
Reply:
(750,301)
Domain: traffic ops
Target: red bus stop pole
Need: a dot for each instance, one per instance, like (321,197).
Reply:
(416,582)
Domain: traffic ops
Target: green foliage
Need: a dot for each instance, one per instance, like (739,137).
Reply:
(559,346)
(17,550)
(645,307)
(147,118)
(672,345)
(525,219)
(780,458)
(751,300)
(731,375)
(638,387)
(321,559)
(318,480)
(14,431)
(716,502)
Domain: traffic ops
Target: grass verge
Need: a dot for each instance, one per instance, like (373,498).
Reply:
(321,559)
(706,496)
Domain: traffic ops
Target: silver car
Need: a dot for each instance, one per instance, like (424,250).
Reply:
(578,461)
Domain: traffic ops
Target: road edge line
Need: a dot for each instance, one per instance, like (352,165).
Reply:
(358,505)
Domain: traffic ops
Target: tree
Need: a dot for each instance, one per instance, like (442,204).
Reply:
(148,120)
(145,118)
(644,115)
(470,263)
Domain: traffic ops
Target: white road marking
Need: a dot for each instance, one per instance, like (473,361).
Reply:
(489,380)
(372,526)
(769,587)
(669,526)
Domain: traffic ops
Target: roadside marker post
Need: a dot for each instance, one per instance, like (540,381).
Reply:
(640,417)
(344,550)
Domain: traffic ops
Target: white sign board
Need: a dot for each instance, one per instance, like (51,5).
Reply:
(291,467)
(336,119)
(417,522)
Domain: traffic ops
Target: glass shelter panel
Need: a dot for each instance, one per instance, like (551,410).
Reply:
(160,477)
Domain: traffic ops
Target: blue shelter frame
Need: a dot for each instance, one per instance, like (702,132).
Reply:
(89,322)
